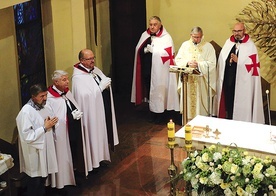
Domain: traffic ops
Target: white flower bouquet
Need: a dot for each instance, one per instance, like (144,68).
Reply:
(229,171)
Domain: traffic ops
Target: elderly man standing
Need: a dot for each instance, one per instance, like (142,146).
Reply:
(239,88)
(69,134)
(152,81)
(200,55)
(36,142)
(92,91)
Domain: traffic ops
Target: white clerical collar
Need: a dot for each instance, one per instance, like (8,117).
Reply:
(88,70)
(56,89)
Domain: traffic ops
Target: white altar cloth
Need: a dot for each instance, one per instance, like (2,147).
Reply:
(250,136)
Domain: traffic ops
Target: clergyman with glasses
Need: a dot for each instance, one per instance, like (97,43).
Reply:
(239,90)
(92,91)
(198,54)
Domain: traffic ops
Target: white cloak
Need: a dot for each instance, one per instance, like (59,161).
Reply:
(37,155)
(65,175)
(197,86)
(163,86)
(248,103)
(88,95)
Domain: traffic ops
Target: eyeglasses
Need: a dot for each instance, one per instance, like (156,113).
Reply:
(89,59)
(237,31)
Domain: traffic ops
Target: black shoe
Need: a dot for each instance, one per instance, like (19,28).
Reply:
(62,192)
(152,117)
(95,171)
(104,163)
(159,119)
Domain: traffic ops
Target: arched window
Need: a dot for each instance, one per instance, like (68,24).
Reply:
(28,25)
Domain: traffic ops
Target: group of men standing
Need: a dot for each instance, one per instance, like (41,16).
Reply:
(228,88)
(62,132)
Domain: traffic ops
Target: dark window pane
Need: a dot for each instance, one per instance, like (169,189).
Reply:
(27,12)
(30,46)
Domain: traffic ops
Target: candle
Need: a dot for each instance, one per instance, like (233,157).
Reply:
(188,137)
(171,133)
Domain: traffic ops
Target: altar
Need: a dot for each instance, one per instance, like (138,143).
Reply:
(6,163)
(253,137)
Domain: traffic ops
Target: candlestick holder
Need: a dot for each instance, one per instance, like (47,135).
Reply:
(172,170)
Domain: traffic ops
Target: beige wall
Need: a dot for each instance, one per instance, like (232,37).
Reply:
(100,44)
(68,27)
(8,3)
(9,83)
(64,34)
(216,19)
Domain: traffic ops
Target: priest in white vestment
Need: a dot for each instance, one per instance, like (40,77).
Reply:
(37,153)
(70,140)
(200,55)
(239,88)
(152,80)
(89,86)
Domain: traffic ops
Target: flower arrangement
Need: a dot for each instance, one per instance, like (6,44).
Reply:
(229,171)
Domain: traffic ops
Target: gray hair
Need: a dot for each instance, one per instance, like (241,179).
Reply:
(57,74)
(196,30)
(156,18)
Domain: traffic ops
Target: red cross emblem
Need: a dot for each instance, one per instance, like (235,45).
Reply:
(170,56)
(254,65)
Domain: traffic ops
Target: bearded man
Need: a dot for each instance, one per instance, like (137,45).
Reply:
(239,88)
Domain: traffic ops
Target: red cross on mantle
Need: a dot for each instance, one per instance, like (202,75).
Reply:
(254,65)
(170,57)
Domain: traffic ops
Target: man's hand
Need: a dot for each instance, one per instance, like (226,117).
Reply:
(49,123)
(193,64)
(147,49)
(106,82)
(234,58)
(77,114)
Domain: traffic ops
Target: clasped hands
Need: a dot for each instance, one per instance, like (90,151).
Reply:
(192,64)
(105,83)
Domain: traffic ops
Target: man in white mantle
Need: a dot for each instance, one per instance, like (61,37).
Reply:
(70,141)
(92,91)
(152,80)
(239,89)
